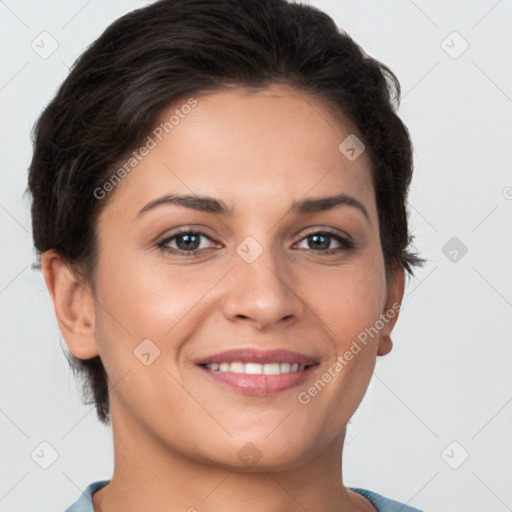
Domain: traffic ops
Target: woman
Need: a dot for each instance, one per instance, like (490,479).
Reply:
(219,204)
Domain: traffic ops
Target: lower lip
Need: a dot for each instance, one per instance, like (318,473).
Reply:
(259,385)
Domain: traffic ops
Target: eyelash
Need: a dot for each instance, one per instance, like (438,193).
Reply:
(346,244)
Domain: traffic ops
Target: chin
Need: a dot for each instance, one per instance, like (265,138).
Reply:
(257,453)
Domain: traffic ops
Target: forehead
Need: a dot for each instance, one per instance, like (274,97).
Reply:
(253,149)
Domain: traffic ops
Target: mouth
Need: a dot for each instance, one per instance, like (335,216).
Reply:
(256,372)
(257,368)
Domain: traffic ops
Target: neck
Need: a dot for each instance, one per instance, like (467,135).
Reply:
(149,475)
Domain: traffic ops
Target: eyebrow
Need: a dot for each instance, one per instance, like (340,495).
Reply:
(211,205)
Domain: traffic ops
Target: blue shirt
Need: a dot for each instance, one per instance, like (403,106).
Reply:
(84,503)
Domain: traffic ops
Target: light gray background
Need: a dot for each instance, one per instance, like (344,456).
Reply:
(448,378)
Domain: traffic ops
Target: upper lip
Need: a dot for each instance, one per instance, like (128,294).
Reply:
(253,355)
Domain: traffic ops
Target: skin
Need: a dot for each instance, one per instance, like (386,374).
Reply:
(176,433)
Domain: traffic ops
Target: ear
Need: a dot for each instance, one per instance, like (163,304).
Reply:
(391,308)
(73,303)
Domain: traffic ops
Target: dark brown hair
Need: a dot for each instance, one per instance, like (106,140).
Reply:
(151,58)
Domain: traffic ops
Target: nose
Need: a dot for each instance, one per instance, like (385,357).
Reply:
(262,292)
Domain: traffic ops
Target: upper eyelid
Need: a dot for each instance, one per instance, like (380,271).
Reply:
(329,231)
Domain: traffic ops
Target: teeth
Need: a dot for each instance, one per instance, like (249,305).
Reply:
(256,368)
(270,369)
(253,368)
(237,367)
(285,367)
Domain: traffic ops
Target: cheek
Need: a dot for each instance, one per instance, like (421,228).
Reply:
(137,302)
(148,297)
(348,299)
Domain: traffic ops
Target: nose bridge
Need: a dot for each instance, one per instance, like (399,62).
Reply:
(261,287)
(260,265)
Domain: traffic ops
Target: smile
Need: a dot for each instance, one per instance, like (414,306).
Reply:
(255,372)
(256,368)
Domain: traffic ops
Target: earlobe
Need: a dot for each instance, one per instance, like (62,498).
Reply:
(385,345)
(73,304)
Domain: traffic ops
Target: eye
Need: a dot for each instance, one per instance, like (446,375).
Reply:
(187,241)
(321,240)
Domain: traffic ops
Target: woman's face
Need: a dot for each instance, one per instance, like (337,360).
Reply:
(266,275)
